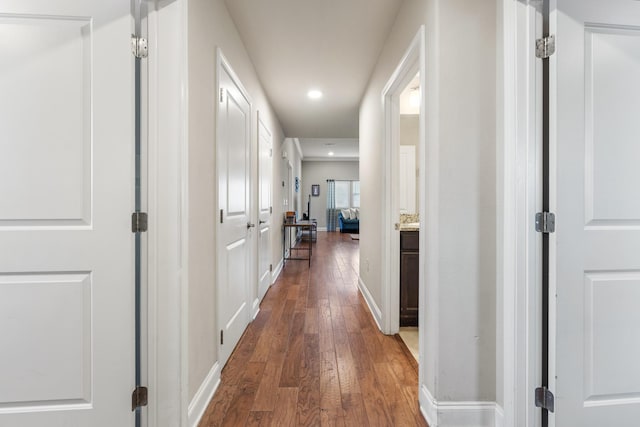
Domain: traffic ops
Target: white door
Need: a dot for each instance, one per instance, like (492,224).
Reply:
(596,247)
(264,209)
(234,232)
(66,198)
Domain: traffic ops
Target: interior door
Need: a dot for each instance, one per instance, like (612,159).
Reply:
(264,208)
(234,231)
(595,250)
(66,186)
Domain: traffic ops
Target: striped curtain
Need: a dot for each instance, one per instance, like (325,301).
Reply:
(332,213)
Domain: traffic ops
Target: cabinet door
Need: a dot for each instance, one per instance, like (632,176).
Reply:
(409,261)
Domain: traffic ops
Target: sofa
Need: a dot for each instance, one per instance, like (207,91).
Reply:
(349,225)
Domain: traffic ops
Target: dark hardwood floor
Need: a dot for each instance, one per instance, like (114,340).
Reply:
(314,356)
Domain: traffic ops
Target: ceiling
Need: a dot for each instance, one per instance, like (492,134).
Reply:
(330,45)
(319,148)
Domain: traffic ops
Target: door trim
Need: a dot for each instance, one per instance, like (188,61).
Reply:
(167,175)
(519,247)
(411,63)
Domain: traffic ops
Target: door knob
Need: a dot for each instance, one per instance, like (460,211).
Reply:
(262,222)
(249,225)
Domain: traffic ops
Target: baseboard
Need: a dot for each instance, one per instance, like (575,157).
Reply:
(459,414)
(203,396)
(321,229)
(276,272)
(255,309)
(428,407)
(373,307)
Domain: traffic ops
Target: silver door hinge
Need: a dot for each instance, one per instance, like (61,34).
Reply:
(139,398)
(139,46)
(221,336)
(270,152)
(545,222)
(270,209)
(271,267)
(221,95)
(544,399)
(139,221)
(221,216)
(545,47)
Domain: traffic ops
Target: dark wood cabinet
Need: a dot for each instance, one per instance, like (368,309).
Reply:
(409,277)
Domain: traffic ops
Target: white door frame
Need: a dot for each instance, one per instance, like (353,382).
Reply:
(519,194)
(411,63)
(167,369)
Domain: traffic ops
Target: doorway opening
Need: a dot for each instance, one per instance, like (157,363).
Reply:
(409,217)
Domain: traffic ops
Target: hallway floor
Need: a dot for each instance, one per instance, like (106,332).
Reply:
(314,356)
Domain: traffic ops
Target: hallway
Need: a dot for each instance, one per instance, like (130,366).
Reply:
(314,356)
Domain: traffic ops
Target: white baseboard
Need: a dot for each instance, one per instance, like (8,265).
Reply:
(255,309)
(459,414)
(276,272)
(373,307)
(321,229)
(203,396)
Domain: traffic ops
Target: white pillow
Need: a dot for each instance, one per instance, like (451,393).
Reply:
(357,213)
(346,213)
(354,213)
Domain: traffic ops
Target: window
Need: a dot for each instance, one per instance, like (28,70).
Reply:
(347,194)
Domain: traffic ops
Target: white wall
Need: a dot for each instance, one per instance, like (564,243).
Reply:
(210,26)
(318,172)
(459,334)
(410,135)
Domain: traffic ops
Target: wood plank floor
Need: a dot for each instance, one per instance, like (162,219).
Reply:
(314,356)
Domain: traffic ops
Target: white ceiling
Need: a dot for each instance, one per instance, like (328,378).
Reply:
(319,148)
(330,45)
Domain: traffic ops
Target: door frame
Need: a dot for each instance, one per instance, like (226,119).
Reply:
(519,246)
(167,244)
(412,62)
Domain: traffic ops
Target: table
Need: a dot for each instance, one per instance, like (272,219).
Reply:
(302,225)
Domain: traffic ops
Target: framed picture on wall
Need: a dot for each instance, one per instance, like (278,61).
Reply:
(315,190)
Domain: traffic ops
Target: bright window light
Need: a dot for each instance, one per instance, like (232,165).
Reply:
(330,153)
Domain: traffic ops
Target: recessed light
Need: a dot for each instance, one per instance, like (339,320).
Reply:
(331,153)
(314,94)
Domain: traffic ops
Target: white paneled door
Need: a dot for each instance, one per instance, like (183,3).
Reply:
(66,198)
(595,252)
(264,208)
(235,229)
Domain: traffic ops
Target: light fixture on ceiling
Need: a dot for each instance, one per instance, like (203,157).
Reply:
(314,94)
(414,97)
(330,153)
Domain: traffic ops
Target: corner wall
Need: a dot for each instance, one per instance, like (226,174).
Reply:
(460,329)
(209,27)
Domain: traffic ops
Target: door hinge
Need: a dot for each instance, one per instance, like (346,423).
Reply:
(544,399)
(221,336)
(545,222)
(139,222)
(545,47)
(221,95)
(221,216)
(271,268)
(270,209)
(139,398)
(270,152)
(139,46)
